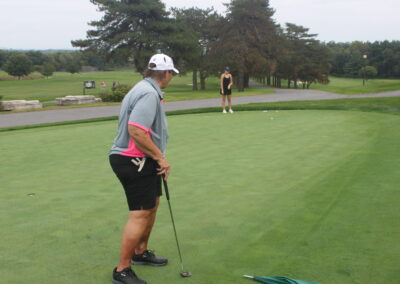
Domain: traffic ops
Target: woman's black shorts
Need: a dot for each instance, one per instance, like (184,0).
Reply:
(141,188)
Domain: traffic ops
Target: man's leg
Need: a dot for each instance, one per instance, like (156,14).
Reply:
(133,233)
(146,235)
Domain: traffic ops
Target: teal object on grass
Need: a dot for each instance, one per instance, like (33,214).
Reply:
(278,280)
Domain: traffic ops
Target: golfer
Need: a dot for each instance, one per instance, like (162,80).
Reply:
(226,82)
(137,158)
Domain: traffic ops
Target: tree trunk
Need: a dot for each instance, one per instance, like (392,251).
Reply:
(269,80)
(194,80)
(240,84)
(246,80)
(288,83)
(203,77)
(295,83)
(280,83)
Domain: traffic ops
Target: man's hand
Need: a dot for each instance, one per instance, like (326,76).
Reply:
(164,168)
(146,145)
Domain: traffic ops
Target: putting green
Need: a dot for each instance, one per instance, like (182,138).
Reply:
(310,195)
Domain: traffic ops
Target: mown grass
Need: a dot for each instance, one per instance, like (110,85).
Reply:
(355,86)
(305,194)
(64,84)
(380,105)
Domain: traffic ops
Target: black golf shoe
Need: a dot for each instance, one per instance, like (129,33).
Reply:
(148,258)
(126,276)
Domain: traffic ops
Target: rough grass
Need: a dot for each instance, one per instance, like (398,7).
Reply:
(306,194)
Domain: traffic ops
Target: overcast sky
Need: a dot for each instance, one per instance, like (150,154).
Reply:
(52,24)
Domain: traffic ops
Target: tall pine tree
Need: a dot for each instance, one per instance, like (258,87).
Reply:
(131,28)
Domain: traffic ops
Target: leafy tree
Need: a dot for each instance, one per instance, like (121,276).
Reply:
(347,58)
(198,25)
(37,57)
(368,72)
(74,66)
(297,58)
(47,70)
(93,59)
(18,65)
(135,27)
(246,39)
(4,55)
(315,66)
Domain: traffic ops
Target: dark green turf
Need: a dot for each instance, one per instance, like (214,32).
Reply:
(306,194)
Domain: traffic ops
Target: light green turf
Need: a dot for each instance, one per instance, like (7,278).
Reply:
(306,194)
(355,86)
(63,84)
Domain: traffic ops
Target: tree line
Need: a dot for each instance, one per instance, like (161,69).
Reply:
(22,63)
(379,59)
(201,41)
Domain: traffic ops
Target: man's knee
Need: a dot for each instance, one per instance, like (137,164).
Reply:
(140,215)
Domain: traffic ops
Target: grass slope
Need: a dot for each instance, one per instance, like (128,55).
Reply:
(306,194)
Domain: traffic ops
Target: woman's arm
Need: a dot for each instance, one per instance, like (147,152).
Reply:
(231,83)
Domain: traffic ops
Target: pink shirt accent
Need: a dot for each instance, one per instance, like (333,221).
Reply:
(133,150)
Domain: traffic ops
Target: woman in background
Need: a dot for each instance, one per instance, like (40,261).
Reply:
(226,82)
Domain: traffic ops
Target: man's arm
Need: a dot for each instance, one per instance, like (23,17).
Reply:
(147,146)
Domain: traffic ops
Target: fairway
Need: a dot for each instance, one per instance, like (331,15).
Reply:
(65,84)
(305,194)
(351,86)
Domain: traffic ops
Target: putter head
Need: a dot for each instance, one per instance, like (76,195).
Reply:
(186,274)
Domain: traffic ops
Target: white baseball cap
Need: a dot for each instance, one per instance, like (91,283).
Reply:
(163,62)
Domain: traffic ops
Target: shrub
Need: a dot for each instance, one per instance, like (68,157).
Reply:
(117,94)
(106,96)
(120,91)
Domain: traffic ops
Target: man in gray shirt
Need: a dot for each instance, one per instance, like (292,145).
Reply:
(137,158)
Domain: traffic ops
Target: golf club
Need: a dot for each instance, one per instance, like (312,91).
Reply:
(183,272)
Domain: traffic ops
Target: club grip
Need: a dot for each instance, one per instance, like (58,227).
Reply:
(165,187)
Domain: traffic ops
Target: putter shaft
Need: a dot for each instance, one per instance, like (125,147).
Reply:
(173,222)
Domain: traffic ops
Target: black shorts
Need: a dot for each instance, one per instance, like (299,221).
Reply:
(141,188)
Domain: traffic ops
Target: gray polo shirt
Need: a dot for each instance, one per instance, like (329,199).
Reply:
(141,107)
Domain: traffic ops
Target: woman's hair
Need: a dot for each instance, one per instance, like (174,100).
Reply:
(154,74)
